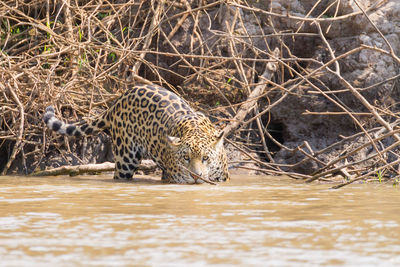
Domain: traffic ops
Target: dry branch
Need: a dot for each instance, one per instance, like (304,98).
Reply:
(19,142)
(253,97)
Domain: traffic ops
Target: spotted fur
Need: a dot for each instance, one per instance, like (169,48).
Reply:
(150,121)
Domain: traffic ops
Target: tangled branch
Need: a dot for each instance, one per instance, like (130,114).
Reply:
(234,60)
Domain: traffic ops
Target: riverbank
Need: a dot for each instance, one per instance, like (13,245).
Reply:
(305,89)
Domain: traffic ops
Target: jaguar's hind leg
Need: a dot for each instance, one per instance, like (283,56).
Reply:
(127,162)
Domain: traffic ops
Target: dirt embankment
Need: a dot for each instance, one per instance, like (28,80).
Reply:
(331,106)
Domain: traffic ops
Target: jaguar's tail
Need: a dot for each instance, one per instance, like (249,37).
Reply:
(76,129)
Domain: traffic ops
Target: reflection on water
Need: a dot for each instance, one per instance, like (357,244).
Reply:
(251,221)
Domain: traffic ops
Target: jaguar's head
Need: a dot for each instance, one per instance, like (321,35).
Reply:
(198,158)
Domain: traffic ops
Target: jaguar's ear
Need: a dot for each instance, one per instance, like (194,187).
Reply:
(219,142)
(173,141)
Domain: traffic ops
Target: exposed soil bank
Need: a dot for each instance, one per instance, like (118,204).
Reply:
(331,107)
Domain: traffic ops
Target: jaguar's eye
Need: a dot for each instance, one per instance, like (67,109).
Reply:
(186,157)
(205,158)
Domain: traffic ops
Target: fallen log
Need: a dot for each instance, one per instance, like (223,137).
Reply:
(147,166)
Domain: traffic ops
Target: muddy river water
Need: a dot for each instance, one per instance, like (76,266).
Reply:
(250,221)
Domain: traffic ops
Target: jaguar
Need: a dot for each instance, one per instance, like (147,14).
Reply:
(149,121)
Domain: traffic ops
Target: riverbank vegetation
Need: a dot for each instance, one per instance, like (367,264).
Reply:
(301,88)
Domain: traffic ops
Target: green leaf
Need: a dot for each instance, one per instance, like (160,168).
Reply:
(112,56)
(102,15)
(80,34)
